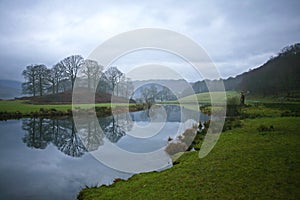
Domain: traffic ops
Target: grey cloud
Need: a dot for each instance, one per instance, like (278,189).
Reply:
(236,34)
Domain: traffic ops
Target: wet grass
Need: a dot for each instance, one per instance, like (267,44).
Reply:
(205,98)
(16,109)
(248,162)
(25,107)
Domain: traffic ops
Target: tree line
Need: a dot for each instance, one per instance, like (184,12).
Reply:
(41,80)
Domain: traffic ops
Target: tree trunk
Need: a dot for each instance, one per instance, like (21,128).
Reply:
(57,86)
(53,88)
(33,85)
(72,84)
(89,82)
(41,86)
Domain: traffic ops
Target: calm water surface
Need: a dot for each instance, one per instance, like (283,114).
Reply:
(45,159)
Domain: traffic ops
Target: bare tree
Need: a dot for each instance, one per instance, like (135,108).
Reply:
(72,65)
(51,80)
(92,71)
(35,79)
(114,76)
(41,78)
(55,75)
(126,87)
(103,85)
(149,94)
(165,94)
(29,86)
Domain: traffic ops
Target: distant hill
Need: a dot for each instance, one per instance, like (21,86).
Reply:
(179,85)
(280,74)
(11,84)
(10,89)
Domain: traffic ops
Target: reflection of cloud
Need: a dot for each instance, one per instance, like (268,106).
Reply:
(132,162)
(46,174)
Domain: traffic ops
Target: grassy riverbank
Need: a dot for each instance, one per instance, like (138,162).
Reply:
(14,109)
(258,159)
(26,107)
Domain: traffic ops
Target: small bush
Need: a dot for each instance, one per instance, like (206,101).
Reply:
(250,115)
(233,107)
(233,101)
(264,128)
(231,123)
(290,114)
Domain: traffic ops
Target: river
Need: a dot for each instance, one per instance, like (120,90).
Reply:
(46,158)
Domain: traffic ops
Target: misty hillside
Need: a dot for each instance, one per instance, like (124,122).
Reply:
(280,74)
(179,85)
(10,89)
(11,84)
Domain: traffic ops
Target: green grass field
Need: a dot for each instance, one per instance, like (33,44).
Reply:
(25,108)
(246,163)
(205,98)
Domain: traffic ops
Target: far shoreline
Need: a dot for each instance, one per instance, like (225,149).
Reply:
(18,109)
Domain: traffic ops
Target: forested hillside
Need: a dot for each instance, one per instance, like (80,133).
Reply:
(280,74)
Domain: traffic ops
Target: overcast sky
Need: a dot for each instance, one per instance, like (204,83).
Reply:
(237,35)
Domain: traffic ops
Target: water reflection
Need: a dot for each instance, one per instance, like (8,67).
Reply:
(61,132)
(29,173)
(112,130)
(40,132)
(42,171)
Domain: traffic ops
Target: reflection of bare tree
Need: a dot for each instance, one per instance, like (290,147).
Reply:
(140,116)
(62,133)
(35,137)
(173,114)
(112,130)
(40,132)
(70,142)
(124,120)
(90,133)
(94,137)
